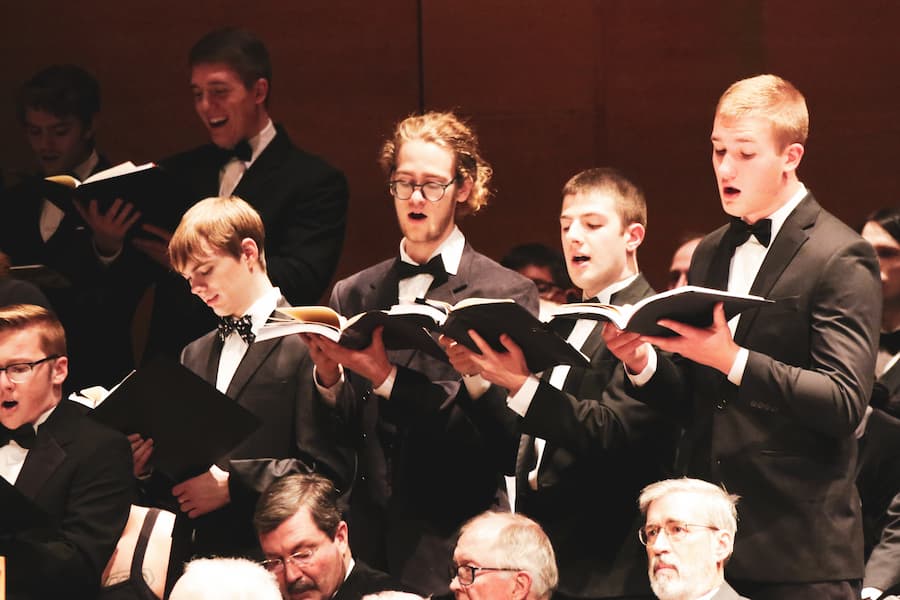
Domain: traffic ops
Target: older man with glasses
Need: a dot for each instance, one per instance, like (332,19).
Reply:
(503,556)
(689,534)
(307,544)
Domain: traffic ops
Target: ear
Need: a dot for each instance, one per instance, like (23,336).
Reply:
(722,546)
(464,190)
(793,154)
(341,535)
(634,236)
(60,370)
(261,90)
(522,587)
(89,129)
(250,251)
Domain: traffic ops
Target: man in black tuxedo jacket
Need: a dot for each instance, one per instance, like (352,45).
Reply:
(424,468)
(307,544)
(771,400)
(74,469)
(301,198)
(217,247)
(689,532)
(585,449)
(58,108)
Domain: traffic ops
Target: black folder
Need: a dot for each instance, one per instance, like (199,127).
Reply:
(191,422)
(19,512)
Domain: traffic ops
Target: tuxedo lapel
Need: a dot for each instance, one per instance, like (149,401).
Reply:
(211,371)
(255,356)
(48,452)
(715,268)
(784,247)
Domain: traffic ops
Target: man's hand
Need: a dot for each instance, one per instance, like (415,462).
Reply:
(371,362)
(327,370)
(156,249)
(109,228)
(712,346)
(141,451)
(628,347)
(507,369)
(204,493)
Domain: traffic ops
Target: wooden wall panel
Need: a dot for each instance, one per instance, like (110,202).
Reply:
(552,87)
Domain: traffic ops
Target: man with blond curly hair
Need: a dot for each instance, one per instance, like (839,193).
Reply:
(423,470)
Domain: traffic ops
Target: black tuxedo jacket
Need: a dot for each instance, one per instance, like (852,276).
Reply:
(96,310)
(78,472)
(878,481)
(784,440)
(297,434)
(424,467)
(303,204)
(362,581)
(602,448)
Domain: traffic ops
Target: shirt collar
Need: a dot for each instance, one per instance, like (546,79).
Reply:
(261,140)
(606,293)
(43,417)
(262,309)
(84,170)
(451,250)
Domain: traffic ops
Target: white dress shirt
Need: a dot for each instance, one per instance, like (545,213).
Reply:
(51,214)
(12,455)
(233,171)
(235,347)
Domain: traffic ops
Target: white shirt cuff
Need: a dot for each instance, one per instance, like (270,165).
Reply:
(640,379)
(736,373)
(520,402)
(387,386)
(106,260)
(476,385)
(329,394)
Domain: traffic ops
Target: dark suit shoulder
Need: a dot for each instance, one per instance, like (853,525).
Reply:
(364,580)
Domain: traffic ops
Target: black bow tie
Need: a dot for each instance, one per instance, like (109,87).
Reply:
(740,231)
(434,267)
(23,435)
(241,151)
(890,342)
(243,326)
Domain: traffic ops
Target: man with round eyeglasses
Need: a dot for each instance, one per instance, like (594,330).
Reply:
(306,543)
(72,468)
(689,534)
(504,556)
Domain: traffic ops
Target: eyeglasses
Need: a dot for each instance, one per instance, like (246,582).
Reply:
(466,573)
(21,372)
(431,190)
(300,559)
(675,531)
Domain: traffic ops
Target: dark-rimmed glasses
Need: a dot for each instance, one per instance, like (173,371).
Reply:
(466,573)
(21,372)
(431,190)
(675,531)
(300,559)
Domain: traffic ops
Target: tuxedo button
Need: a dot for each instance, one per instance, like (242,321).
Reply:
(721,404)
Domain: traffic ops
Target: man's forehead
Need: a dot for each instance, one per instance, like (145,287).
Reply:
(36,117)
(676,506)
(743,129)
(213,73)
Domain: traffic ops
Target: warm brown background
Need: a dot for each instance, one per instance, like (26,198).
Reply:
(553,86)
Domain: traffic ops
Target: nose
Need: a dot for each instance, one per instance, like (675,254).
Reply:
(455,586)
(726,167)
(418,197)
(575,232)
(201,102)
(659,544)
(292,572)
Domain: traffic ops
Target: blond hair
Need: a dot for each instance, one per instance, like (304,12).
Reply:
(219,224)
(18,317)
(772,98)
(448,131)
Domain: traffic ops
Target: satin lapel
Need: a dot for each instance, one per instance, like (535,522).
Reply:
(211,372)
(48,453)
(264,167)
(790,239)
(384,291)
(254,357)
(714,266)
(891,379)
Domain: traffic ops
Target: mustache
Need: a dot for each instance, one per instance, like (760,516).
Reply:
(300,586)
